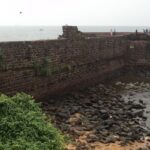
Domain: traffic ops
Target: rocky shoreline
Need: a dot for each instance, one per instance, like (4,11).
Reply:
(99,114)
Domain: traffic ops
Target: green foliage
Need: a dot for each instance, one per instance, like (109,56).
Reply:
(42,69)
(23,126)
(46,68)
(65,67)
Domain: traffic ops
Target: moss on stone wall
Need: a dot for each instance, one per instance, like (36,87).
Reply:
(46,68)
(2,61)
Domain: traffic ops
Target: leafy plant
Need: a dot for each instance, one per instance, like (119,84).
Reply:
(23,126)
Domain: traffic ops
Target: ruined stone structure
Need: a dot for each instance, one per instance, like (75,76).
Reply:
(51,67)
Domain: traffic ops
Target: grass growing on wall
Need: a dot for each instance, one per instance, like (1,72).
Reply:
(2,60)
(46,68)
(23,126)
(42,69)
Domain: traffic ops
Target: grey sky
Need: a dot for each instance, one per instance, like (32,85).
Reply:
(75,12)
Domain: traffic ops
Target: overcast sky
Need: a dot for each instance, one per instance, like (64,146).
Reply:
(75,12)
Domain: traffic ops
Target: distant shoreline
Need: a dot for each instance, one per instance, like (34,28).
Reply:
(32,33)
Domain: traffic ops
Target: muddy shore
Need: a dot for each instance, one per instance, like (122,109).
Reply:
(112,117)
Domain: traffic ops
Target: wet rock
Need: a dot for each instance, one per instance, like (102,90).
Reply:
(64,127)
(141,101)
(138,113)
(62,115)
(129,86)
(103,112)
(143,148)
(51,101)
(88,103)
(119,83)
(75,109)
(75,119)
(104,116)
(131,94)
(138,106)
(110,139)
(92,138)
(148,133)
(147,138)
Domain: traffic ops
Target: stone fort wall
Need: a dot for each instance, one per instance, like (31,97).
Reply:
(52,67)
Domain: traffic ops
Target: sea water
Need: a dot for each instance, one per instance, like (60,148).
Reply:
(28,33)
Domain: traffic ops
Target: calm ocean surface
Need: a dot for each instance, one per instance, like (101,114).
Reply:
(27,33)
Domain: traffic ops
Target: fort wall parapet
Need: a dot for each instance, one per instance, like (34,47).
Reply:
(52,67)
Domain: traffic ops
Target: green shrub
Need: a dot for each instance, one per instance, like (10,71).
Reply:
(23,126)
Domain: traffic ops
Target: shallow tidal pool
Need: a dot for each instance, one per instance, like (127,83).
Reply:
(137,92)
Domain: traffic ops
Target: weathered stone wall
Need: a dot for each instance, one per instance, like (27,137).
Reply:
(43,68)
(137,58)
(138,53)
